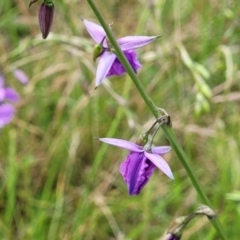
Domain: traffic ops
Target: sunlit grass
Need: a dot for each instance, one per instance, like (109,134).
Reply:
(58,181)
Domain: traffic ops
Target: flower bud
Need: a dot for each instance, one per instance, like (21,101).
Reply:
(142,140)
(97,51)
(171,236)
(45,17)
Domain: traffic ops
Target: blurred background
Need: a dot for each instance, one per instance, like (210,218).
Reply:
(58,181)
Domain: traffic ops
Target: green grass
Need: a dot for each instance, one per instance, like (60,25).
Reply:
(58,181)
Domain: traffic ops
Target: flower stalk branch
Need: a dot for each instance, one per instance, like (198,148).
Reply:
(167,130)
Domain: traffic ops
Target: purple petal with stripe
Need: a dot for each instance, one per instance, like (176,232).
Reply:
(136,171)
(122,144)
(105,63)
(161,150)
(117,67)
(159,162)
(133,42)
(96,32)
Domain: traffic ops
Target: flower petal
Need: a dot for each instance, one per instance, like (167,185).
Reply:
(105,63)
(96,32)
(136,171)
(11,95)
(117,67)
(6,114)
(20,76)
(122,144)
(161,150)
(2,94)
(133,42)
(159,162)
(133,60)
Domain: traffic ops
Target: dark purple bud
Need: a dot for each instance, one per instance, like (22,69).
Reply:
(171,236)
(45,18)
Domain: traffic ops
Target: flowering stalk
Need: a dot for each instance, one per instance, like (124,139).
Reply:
(168,131)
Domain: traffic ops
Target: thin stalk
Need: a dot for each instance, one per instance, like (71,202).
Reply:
(168,131)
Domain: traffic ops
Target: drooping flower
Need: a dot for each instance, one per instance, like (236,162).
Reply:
(109,64)
(140,163)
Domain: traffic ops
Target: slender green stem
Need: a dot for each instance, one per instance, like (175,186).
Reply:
(168,131)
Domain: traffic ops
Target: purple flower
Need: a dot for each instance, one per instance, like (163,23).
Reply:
(6,114)
(109,64)
(7,96)
(140,163)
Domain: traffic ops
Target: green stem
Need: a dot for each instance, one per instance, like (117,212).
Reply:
(168,131)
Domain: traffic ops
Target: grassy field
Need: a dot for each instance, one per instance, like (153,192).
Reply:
(58,181)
